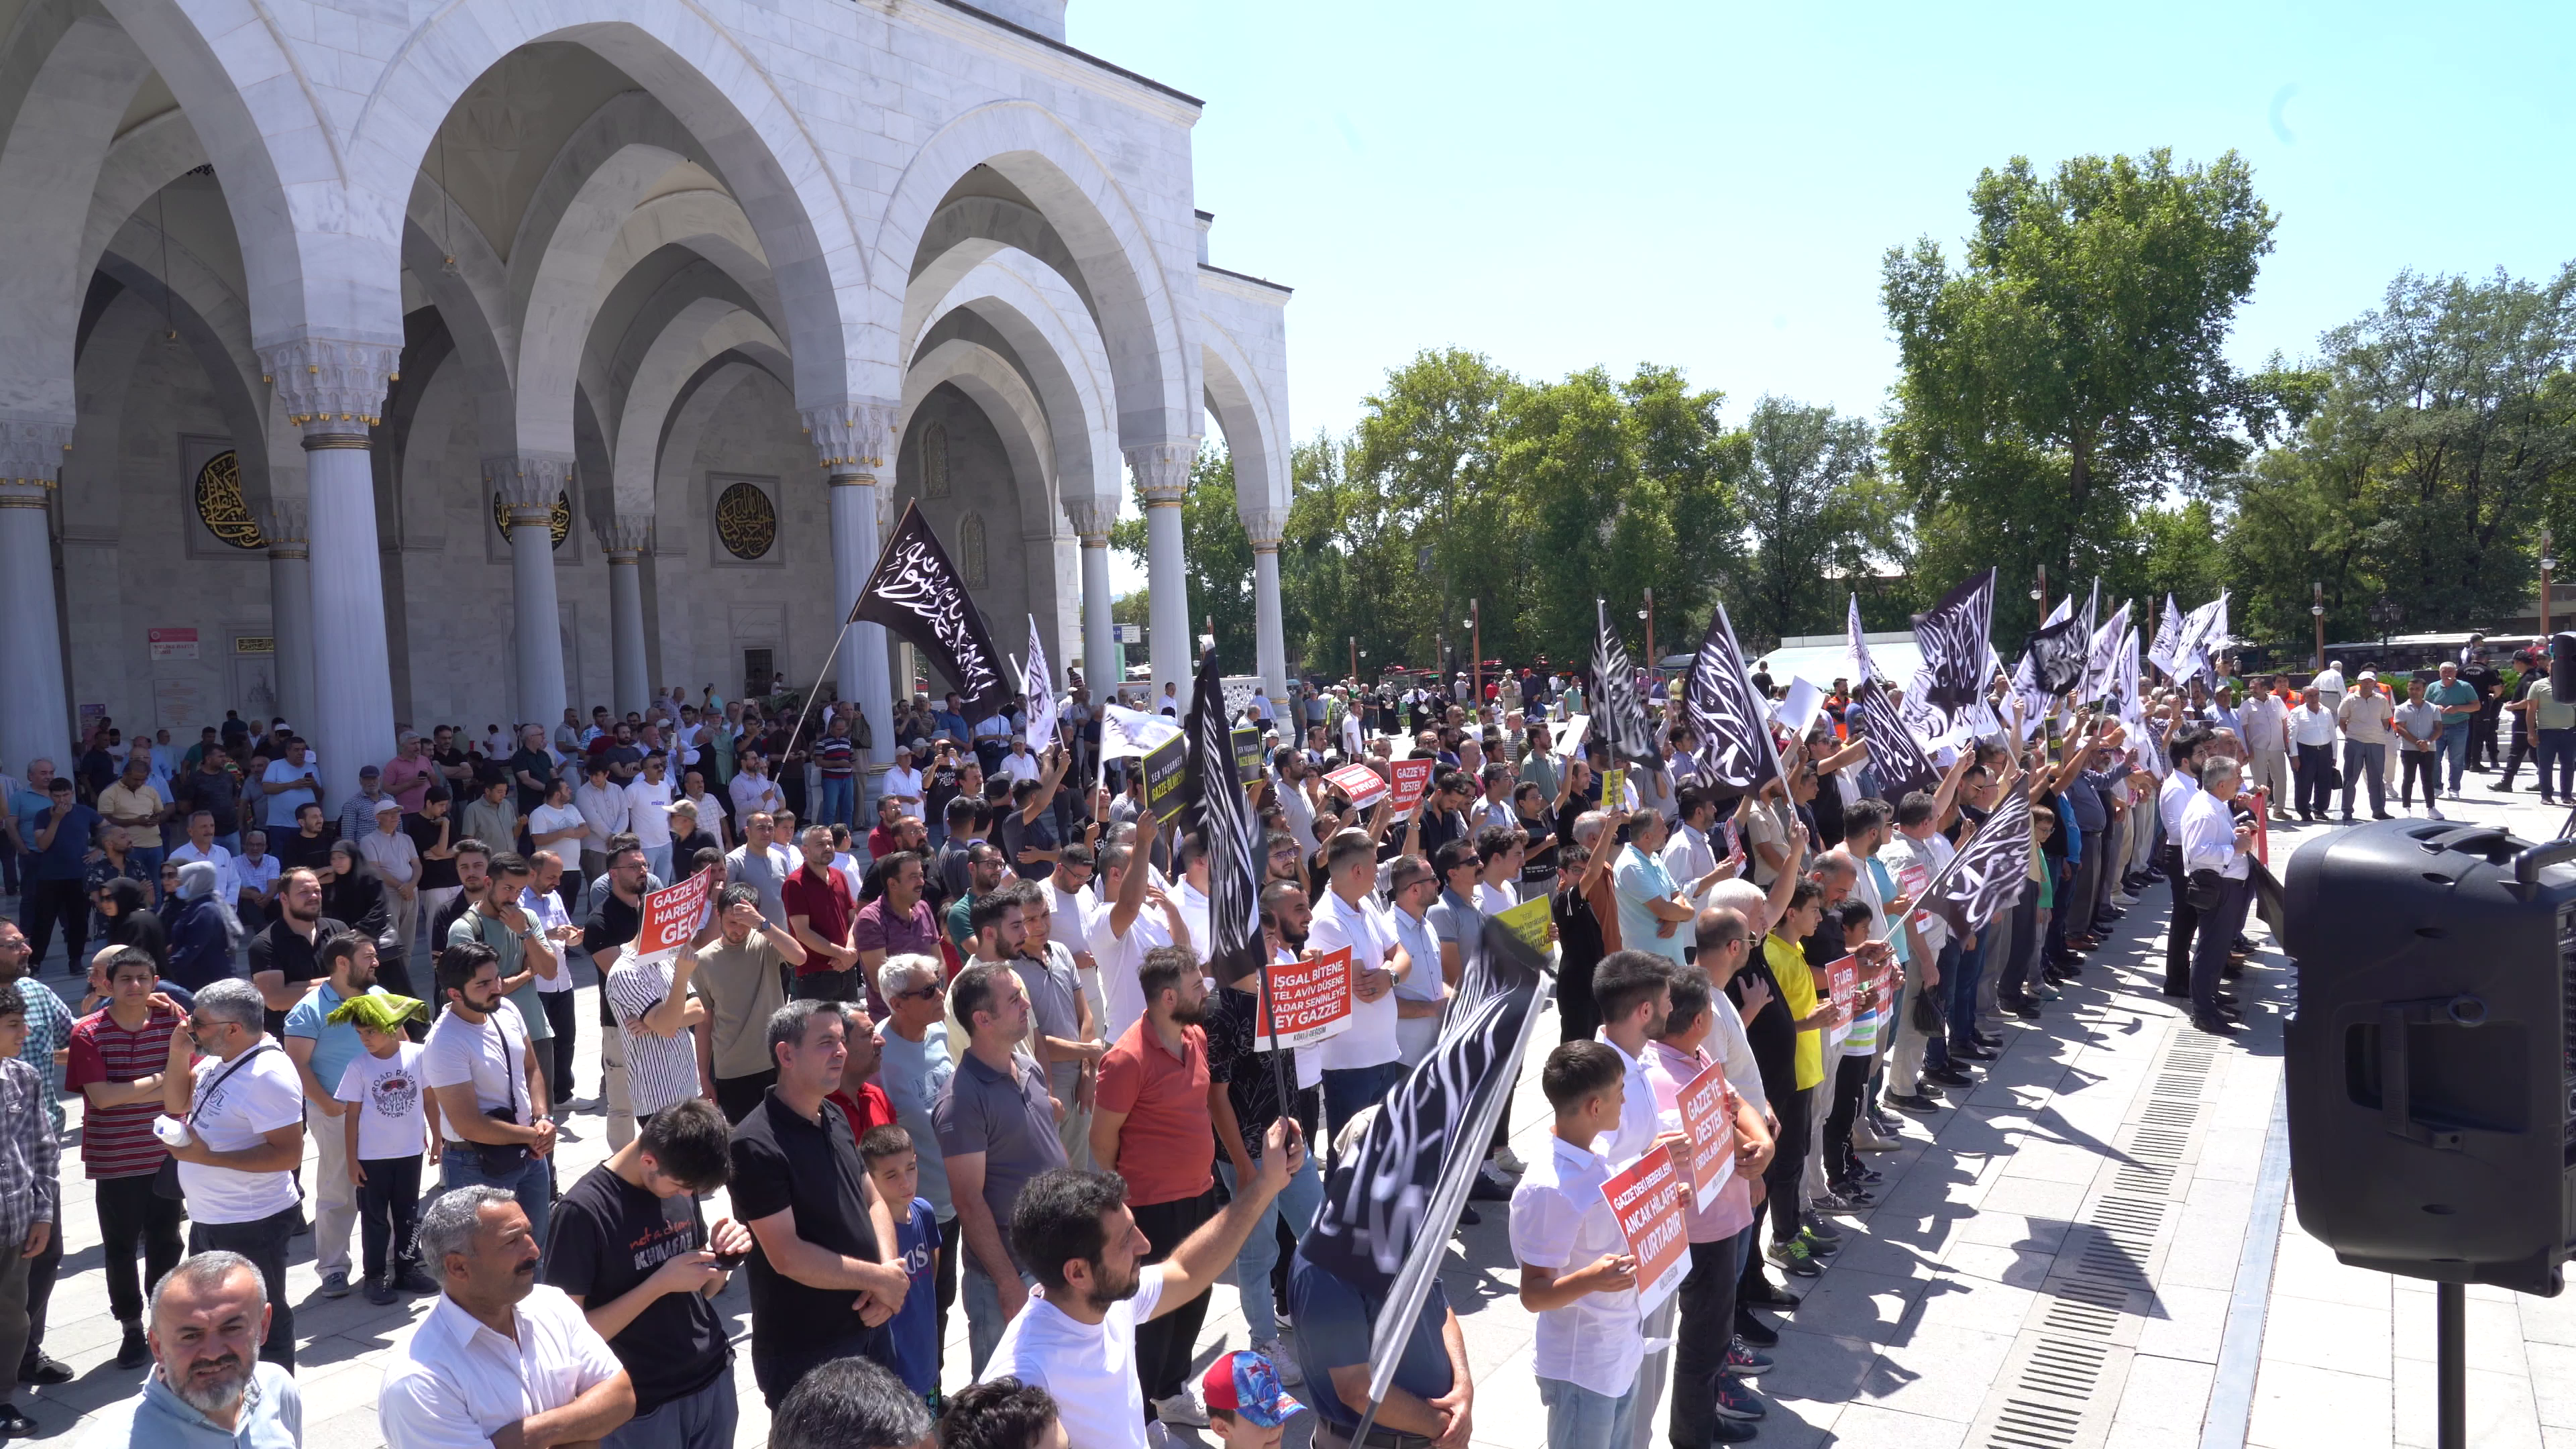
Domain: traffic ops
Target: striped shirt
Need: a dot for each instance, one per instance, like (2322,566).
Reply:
(836,756)
(659,1073)
(118,1141)
(49,1030)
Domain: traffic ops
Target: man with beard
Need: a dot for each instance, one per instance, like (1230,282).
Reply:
(245,1113)
(1081,1339)
(321,1050)
(491,1089)
(1153,1128)
(1066,1034)
(499,1358)
(207,1389)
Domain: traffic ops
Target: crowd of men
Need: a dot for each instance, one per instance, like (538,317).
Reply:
(969,1047)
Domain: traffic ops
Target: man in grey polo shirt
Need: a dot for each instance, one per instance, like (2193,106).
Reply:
(1064,1037)
(763,864)
(997,1130)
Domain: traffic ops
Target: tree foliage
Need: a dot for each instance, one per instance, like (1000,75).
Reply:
(1819,517)
(1218,556)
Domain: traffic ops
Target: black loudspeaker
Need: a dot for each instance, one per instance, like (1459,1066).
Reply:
(2562,666)
(2431,1063)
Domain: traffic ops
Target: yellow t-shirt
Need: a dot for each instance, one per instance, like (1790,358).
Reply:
(1798,994)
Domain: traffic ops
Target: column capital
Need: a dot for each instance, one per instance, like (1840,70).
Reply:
(329,387)
(1163,470)
(529,484)
(1092,518)
(283,522)
(854,439)
(1265,526)
(625,537)
(31,456)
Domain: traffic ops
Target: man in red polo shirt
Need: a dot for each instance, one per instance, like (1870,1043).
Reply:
(819,912)
(860,1100)
(117,1057)
(1151,1126)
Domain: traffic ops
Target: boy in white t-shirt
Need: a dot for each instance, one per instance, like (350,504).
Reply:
(1576,1272)
(393,1120)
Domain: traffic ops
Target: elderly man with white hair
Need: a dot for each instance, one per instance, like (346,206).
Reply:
(208,1388)
(499,1359)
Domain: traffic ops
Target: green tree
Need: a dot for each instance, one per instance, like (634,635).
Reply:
(2072,367)
(1818,516)
(1218,557)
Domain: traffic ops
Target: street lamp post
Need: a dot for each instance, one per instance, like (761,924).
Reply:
(2039,594)
(1476,664)
(1651,663)
(2317,611)
(1355,661)
(2546,564)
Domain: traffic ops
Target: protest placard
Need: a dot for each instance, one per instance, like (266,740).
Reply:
(1708,1118)
(1614,788)
(1166,770)
(1247,754)
(672,916)
(1569,735)
(1528,920)
(1359,782)
(1309,1001)
(1647,1198)
(1412,778)
(1842,983)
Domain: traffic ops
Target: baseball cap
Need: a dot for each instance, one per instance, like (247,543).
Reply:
(1243,1382)
(388,803)
(370,772)
(2370,674)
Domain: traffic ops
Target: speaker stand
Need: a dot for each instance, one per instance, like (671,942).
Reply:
(2450,1366)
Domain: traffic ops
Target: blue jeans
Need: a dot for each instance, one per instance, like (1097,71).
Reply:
(1578,1418)
(532,1183)
(657,862)
(149,857)
(2558,746)
(1349,1089)
(2454,746)
(1960,978)
(836,801)
(1297,1204)
(984,1320)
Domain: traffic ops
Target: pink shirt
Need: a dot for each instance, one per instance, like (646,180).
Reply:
(1731,1212)
(409,780)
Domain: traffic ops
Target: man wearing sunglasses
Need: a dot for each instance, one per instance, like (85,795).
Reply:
(244,1109)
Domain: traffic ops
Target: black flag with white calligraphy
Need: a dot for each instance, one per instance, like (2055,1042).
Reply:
(1894,757)
(1229,830)
(1392,1201)
(1989,872)
(1618,716)
(2057,656)
(915,592)
(1953,638)
(1735,749)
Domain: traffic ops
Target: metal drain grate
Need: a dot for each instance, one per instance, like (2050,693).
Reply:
(2030,1424)
(2067,1316)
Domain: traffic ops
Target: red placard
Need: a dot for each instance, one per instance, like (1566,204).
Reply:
(1707,1106)
(1842,983)
(1359,782)
(1309,1001)
(1913,881)
(1412,778)
(672,916)
(1648,1201)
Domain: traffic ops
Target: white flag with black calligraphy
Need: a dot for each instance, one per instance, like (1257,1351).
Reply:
(2101,665)
(2168,641)
(1857,664)
(2204,635)
(1990,871)
(1953,637)
(1735,749)
(1038,683)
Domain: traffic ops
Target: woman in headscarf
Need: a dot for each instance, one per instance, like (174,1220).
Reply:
(130,921)
(202,930)
(355,895)
(115,860)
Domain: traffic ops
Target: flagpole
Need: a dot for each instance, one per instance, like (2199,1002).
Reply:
(1270,1021)
(807,711)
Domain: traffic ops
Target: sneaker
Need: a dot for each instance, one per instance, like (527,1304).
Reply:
(1183,1409)
(1281,1360)
(41,1369)
(136,1351)
(1867,1138)
(1846,1199)
(1950,1077)
(564,1132)
(2381,815)
(1794,1258)
(380,1291)
(1887,1123)
(1736,1402)
(1919,1102)
(413,1280)
(1969,1052)
(335,1285)
(1506,1160)
(1742,1361)
(2450,794)
(1820,1239)
(1750,1329)
(2432,814)
(1767,1296)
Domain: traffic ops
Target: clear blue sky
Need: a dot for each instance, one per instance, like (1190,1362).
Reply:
(1713,186)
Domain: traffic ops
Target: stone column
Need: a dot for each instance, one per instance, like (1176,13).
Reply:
(1162,481)
(1092,518)
(35,705)
(334,391)
(1270,635)
(290,607)
(856,443)
(529,484)
(624,537)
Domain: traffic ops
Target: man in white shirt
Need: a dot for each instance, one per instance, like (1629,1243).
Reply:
(2329,682)
(752,789)
(244,1106)
(2186,748)
(202,846)
(1019,764)
(1076,1335)
(1123,931)
(2213,844)
(1366,1060)
(604,810)
(648,805)
(903,783)
(499,1359)
(289,784)
(1689,856)
(2312,733)
(477,1061)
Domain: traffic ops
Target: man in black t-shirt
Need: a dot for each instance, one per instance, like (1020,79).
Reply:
(629,1244)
